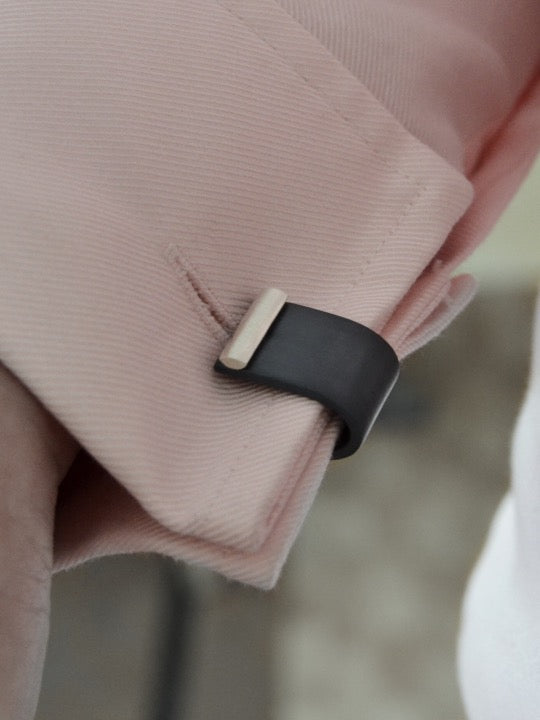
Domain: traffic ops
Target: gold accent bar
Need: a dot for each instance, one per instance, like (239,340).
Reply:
(252,328)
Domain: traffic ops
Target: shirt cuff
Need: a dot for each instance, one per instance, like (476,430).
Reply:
(159,168)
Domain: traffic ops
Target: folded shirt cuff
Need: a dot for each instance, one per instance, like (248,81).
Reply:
(152,183)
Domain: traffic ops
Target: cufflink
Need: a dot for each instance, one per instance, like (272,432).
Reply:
(294,348)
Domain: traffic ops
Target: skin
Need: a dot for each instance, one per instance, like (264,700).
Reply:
(35,454)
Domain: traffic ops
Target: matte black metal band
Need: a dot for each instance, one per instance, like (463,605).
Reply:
(344,365)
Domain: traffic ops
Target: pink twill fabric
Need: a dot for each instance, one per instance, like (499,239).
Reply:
(162,162)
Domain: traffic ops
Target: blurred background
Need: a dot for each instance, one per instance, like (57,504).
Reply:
(363,621)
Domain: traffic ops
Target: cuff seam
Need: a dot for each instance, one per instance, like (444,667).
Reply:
(352,79)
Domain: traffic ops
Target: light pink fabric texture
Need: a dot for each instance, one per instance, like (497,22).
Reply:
(163,162)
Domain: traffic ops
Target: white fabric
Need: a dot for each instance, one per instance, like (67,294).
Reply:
(499,644)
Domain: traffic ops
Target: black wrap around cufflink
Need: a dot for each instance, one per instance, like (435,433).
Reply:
(342,364)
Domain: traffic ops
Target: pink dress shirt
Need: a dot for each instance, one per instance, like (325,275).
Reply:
(161,163)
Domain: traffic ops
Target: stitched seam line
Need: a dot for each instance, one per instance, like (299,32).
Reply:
(395,169)
(406,212)
(300,462)
(204,514)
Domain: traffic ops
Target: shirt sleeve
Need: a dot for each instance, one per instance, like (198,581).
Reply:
(498,659)
(163,162)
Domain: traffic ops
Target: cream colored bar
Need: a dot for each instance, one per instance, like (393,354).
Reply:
(252,328)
